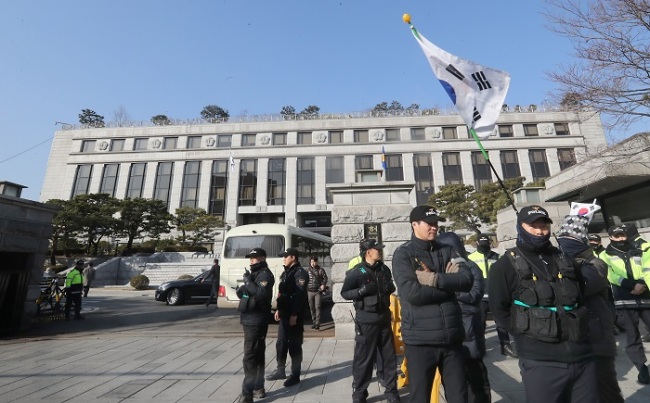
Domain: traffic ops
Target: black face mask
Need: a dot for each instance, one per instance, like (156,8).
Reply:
(483,246)
(537,242)
(621,245)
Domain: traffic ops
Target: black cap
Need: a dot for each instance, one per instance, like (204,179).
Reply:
(80,262)
(425,213)
(289,252)
(593,237)
(256,252)
(483,238)
(530,214)
(616,229)
(371,244)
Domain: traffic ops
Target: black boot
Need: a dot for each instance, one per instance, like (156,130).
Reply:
(276,375)
(509,350)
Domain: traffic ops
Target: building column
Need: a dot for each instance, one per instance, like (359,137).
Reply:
(177,186)
(204,184)
(438,170)
(466,167)
(524,165)
(553,161)
(319,181)
(96,178)
(232,195)
(290,216)
(149,179)
(262,190)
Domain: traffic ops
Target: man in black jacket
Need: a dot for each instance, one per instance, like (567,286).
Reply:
(292,305)
(369,284)
(432,321)
(254,307)
(537,295)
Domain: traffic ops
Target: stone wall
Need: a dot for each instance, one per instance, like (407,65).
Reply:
(355,205)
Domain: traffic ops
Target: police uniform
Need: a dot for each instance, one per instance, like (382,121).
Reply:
(291,301)
(370,286)
(73,289)
(536,294)
(629,266)
(255,307)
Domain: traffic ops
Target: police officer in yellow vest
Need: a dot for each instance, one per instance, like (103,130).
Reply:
(629,274)
(73,289)
(595,243)
(484,257)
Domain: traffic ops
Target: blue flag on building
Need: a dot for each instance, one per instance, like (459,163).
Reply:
(383,158)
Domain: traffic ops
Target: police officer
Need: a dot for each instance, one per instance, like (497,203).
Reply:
(292,305)
(536,294)
(595,242)
(73,289)
(369,284)
(432,321)
(629,274)
(484,257)
(255,297)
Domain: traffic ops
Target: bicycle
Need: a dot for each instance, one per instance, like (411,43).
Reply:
(51,298)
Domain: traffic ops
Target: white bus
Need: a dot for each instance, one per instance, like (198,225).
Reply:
(274,239)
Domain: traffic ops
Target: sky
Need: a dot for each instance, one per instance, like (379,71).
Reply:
(250,57)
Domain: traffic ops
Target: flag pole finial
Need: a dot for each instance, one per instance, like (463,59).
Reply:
(406,18)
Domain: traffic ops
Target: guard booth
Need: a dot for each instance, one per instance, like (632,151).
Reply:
(25,230)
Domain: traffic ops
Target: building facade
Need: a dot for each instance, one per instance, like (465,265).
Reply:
(275,170)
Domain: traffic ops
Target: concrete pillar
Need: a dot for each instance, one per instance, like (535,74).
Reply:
(356,204)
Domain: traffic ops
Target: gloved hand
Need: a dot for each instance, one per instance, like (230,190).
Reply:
(240,292)
(368,289)
(247,277)
(427,278)
(452,267)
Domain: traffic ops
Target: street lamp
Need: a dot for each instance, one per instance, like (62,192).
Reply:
(117,243)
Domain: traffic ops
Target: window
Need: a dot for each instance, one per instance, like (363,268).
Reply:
(140,144)
(336,137)
(566,157)
(481,169)
(163,184)
(394,168)
(248,139)
(277,181)
(279,139)
(334,173)
(88,146)
(361,136)
(392,135)
(531,130)
(82,180)
(449,133)
(417,133)
(305,181)
(190,189)
(363,162)
(423,177)
(506,131)
(224,140)
(117,145)
(194,142)
(304,137)
(451,168)
(109,179)
(218,188)
(136,180)
(169,143)
(247,182)
(538,164)
(562,129)
(510,164)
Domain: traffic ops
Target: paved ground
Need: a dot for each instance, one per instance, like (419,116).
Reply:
(197,359)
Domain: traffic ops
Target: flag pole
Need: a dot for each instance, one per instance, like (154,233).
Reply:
(487,158)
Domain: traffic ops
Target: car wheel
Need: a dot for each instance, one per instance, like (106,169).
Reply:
(175,296)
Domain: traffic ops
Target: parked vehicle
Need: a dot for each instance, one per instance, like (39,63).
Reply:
(178,292)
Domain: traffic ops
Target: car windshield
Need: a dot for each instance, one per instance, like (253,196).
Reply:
(237,247)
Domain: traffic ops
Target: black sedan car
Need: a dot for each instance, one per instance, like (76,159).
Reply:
(178,292)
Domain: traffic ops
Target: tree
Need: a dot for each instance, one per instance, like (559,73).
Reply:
(63,226)
(183,219)
(121,116)
(141,217)
(491,198)
(90,118)
(203,228)
(610,40)
(395,107)
(310,111)
(215,114)
(93,217)
(456,204)
(161,120)
(413,109)
(288,112)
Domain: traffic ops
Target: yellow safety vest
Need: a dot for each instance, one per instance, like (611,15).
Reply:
(617,273)
(354,261)
(74,277)
(483,263)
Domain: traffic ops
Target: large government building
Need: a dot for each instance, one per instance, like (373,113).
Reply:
(272,169)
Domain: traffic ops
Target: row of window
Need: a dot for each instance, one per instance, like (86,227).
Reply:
(305,176)
(304,138)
